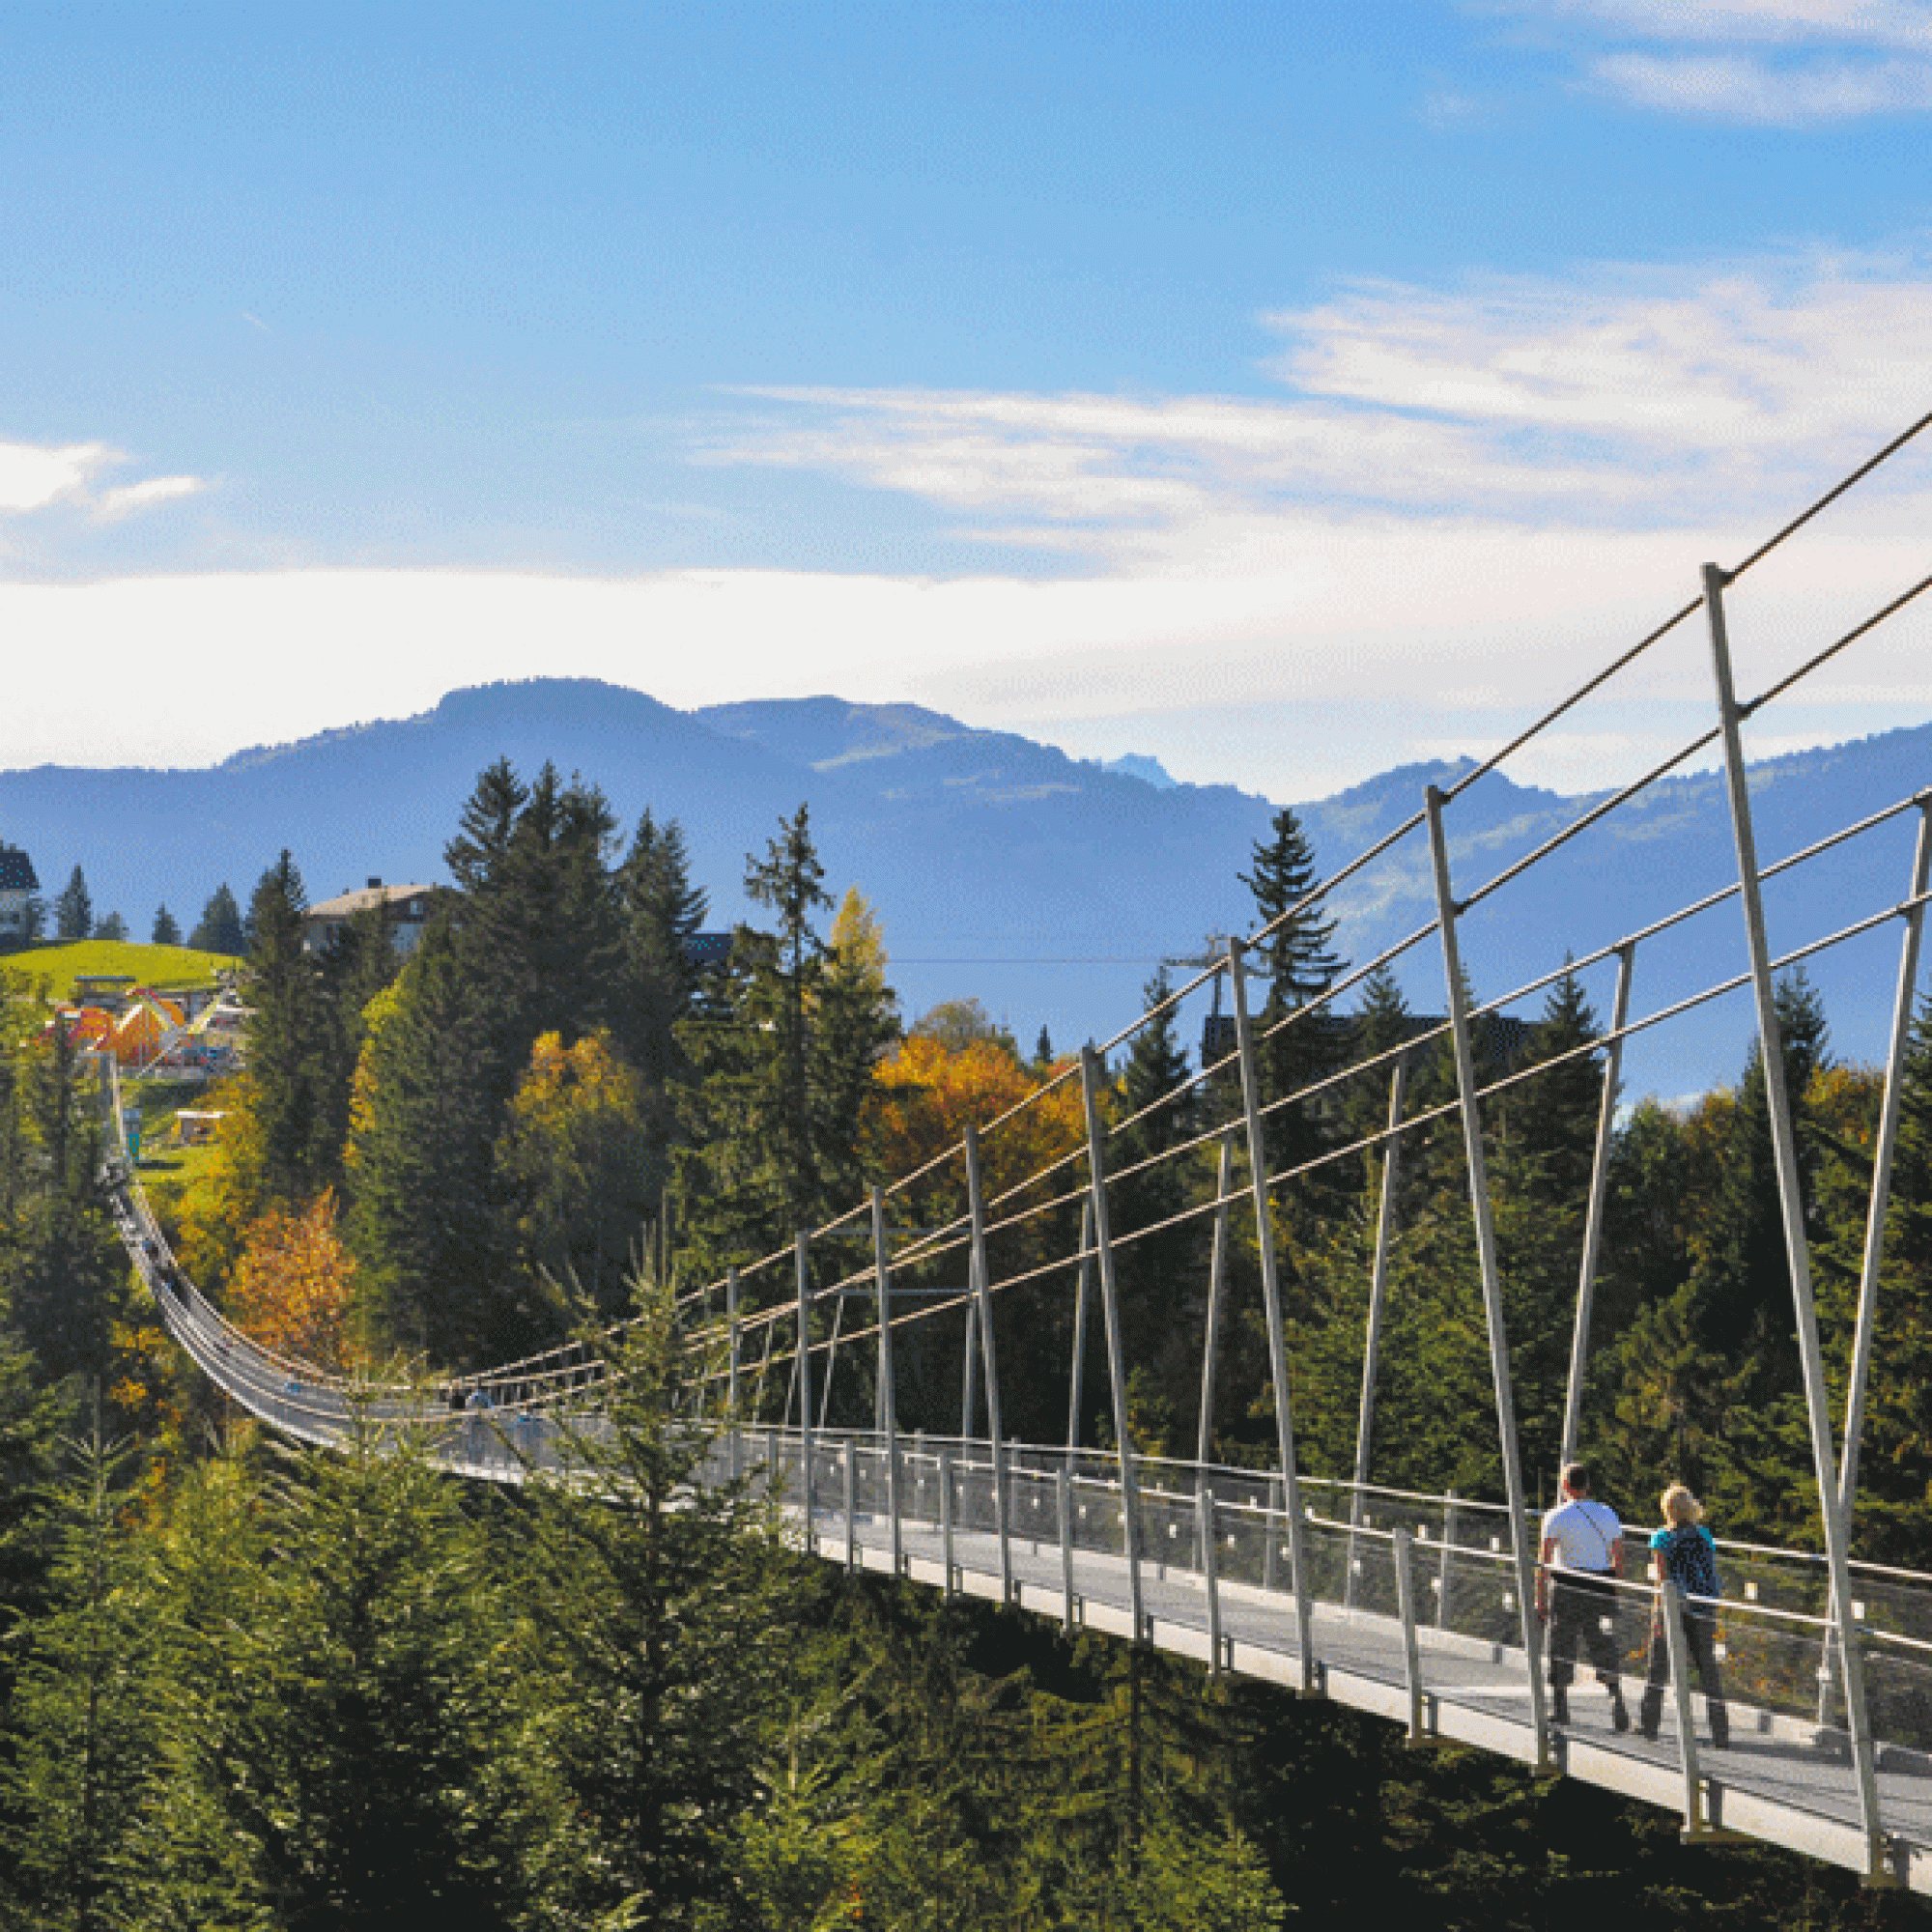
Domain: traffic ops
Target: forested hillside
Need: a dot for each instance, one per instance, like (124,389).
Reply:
(246,1686)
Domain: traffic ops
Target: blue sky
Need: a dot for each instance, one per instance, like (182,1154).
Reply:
(1288,390)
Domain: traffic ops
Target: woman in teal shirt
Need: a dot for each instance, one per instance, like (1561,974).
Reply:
(1684,1553)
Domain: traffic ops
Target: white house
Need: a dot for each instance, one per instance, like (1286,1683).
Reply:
(404,908)
(18,885)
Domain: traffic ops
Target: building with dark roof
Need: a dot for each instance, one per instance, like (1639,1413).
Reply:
(17,886)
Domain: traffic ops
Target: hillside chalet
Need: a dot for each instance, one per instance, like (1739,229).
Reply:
(404,910)
(17,886)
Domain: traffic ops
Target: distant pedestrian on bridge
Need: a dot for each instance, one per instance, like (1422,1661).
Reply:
(1575,1591)
(1684,1553)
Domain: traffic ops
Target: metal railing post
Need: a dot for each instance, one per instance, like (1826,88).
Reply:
(1077,1378)
(888,1404)
(946,1516)
(1443,1570)
(802,1245)
(1110,1311)
(1210,1340)
(1063,1488)
(851,1500)
(1523,1560)
(1798,1252)
(1671,1607)
(969,1385)
(983,1300)
(1593,1217)
(1914,912)
(1372,1337)
(1411,1651)
(1210,1577)
(832,1361)
(1272,1509)
(1277,1334)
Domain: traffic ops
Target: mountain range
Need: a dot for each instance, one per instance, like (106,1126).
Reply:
(1047,887)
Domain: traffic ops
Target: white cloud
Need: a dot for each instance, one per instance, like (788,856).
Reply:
(32,477)
(111,505)
(1621,398)
(1775,63)
(1732,87)
(1883,23)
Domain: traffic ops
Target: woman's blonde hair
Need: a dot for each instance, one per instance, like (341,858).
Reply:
(1680,1506)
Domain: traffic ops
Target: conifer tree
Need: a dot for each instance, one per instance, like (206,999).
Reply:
(85,1711)
(351,1722)
(752,1174)
(789,881)
(662,914)
(286,1044)
(167,928)
(1742,1285)
(420,1162)
(60,1263)
(73,909)
(1552,1117)
(1294,964)
(856,1021)
(661,1607)
(31,1414)
(111,926)
(219,929)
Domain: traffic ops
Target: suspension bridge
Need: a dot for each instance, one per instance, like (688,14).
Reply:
(1419,1609)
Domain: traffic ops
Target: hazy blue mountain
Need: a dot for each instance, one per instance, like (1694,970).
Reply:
(1047,886)
(1138,765)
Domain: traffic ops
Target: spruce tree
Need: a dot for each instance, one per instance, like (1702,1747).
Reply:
(282,987)
(31,1414)
(856,1022)
(1742,1285)
(351,1721)
(753,1171)
(167,928)
(1294,964)
(1552,1117)
(420,1164)
(662,1607)
(60,1266)
(789,881)
(85,1711)
(219,929)
(662,914)
(1894,1507)
(74,910)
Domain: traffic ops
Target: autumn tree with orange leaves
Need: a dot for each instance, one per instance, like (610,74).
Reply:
(294,1285)
(925,1096)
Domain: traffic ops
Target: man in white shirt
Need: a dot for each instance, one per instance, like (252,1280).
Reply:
(1575,1591)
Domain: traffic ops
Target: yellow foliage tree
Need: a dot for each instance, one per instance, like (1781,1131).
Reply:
(293,1284)
(572,1163)
(930,1091)
(210,1218)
